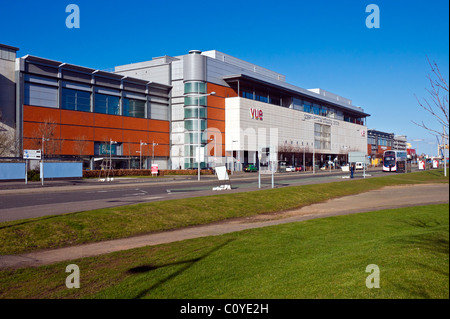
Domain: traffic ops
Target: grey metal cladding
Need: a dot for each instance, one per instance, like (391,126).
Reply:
(42,69)
(194,67)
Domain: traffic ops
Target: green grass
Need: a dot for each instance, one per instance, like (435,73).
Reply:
(321,258)
(125,221)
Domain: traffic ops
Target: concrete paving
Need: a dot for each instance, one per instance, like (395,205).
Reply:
(386,198)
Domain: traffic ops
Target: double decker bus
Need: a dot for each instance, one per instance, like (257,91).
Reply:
(394,161)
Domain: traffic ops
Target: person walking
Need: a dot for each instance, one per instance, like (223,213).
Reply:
(352,170)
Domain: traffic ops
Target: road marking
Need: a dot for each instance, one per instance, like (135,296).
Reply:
(151,198)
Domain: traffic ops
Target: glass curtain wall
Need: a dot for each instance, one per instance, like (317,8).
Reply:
(195,112)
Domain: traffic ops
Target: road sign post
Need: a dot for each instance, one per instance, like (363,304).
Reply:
(29,155)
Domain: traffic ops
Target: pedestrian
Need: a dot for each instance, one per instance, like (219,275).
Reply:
(352,170)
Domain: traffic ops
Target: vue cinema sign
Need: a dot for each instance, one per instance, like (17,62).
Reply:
(256,114)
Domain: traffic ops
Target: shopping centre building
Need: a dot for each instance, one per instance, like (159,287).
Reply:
(153,112)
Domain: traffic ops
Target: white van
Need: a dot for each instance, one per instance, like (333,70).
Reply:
(359,165)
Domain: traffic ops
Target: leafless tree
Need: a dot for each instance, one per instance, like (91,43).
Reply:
(53,144)
(437,104)
(80,145)
(8,144)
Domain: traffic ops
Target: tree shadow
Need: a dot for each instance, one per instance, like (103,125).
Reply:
(187,264)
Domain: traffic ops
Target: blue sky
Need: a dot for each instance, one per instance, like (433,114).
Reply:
(320,43)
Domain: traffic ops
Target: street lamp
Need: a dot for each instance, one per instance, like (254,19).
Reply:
(198,128)
(140,154)
(111,142)
(153,151)
(42,161)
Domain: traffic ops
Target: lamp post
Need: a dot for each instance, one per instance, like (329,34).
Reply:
(140,154)
(153,150)
(198,128)
(42,161)
(232,154)
(111,142)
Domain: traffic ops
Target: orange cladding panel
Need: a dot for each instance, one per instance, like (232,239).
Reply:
(40,114)
(69,132)
(132,123)
(77,118)
(105,120)
(106,134)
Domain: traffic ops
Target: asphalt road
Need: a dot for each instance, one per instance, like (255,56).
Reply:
(23,203)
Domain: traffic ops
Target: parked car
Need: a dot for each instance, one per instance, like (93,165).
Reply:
(299,169)
(290,168)
(250,168)
(359,165)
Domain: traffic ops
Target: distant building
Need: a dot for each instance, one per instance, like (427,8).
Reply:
(378,142)
(399,143)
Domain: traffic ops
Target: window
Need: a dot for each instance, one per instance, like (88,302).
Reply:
(133,108)
(76,100)
(298,104)
(195,100)
(105,148)
(307,107)
(261,96)
(193,112)
(192,138)
(159,111)
(192,125)
(316,109)
(247,95)
(331,113)
(195,87)
(40,91)
(322,136)
(323,111)
(274,100)
(106,104)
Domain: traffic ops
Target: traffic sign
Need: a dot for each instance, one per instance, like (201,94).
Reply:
(32,154)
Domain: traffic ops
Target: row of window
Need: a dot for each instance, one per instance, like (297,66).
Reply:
(44,92)
(304,106)
(380,141)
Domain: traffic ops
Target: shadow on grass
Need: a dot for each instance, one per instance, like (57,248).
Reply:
(436,243)
(188,264)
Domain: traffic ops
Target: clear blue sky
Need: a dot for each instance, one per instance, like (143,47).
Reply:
(322,43)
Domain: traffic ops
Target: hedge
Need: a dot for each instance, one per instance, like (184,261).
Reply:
(143,172)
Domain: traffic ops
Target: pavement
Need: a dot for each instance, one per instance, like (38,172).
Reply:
(385,198)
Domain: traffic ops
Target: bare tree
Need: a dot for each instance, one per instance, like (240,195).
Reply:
(8,143)
(437,105)
(47,130)
(80,145)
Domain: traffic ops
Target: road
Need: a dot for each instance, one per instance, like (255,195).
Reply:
(26,203)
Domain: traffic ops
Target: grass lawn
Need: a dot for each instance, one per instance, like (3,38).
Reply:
(321,258)
(125,221)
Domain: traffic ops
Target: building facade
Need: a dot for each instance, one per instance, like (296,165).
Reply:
(83,113)
(253,108)
(161,111)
